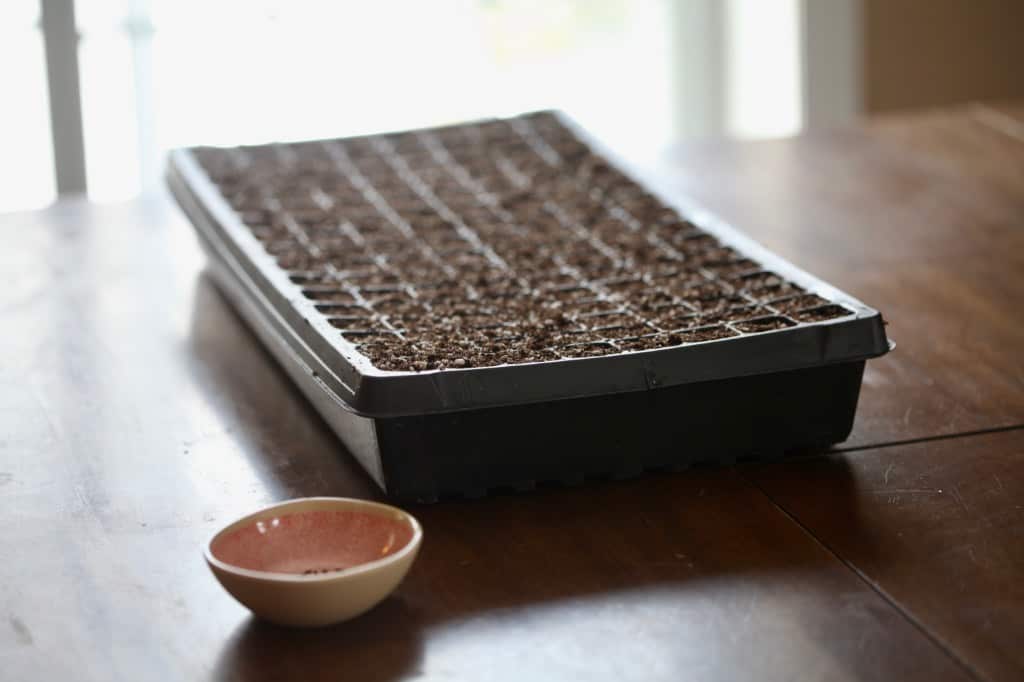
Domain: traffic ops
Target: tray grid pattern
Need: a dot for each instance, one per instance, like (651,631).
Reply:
(492,243)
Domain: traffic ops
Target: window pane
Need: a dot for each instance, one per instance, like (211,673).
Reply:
(26,166)
(234,71)
(105,62)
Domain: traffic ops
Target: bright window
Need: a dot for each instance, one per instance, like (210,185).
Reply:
(158,74)
(177,73)
(26,164)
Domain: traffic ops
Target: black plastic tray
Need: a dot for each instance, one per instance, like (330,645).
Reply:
(465,431)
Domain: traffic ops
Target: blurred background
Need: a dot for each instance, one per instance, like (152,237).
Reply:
(95,91)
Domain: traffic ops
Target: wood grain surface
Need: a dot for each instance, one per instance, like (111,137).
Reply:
(919,216)
(138,415)
(938,527)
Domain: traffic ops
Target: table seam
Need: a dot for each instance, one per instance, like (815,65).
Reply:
(905,613)
(927,439)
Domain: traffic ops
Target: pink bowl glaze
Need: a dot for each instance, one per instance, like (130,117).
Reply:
(312,542)
(315,561)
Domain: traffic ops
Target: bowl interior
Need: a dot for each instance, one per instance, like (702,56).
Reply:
(312,542)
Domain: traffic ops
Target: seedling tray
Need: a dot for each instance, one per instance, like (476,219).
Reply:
(497,304)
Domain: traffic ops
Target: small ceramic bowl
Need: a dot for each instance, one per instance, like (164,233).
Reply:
(315,561)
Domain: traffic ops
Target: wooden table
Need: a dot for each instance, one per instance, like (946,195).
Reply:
(138,414)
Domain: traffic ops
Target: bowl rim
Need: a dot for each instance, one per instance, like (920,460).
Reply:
(344,502)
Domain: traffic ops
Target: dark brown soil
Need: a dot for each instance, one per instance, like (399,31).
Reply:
(764,324)
(800,302)
(494,243)
(825,312)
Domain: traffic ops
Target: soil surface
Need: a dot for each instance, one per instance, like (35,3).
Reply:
(500,242)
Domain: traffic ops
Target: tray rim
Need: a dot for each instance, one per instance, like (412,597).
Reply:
(368,391)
